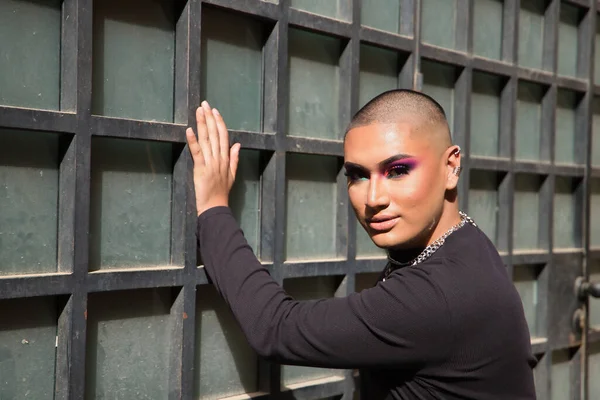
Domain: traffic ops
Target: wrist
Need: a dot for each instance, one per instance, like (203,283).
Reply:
(201,208)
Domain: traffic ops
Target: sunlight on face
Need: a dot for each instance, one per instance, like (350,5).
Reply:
(396,182)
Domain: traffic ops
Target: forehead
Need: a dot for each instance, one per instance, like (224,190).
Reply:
(369,144)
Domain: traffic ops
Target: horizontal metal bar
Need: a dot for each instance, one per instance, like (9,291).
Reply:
(594,253)
(253,140)
(567,253)
(595,172)
(109,280)
(38,120)
(539,345)
(133,129)
(444,55)
(317,389)
(364,265)
(536,76)
(314,268)
(530,257)
(319,23)
(256,8)
(493,66)
(385,39)
(532,167)
(35,285)
(594,335)
(314,146)
(575,84)
(570,170)
(490,164)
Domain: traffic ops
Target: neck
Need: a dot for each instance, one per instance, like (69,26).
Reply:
(405,256)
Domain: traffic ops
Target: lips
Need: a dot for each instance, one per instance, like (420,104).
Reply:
(383,223)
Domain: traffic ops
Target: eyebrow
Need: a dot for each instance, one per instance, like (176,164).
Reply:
(381,164)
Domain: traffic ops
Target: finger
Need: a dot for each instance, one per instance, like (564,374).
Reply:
(223,135)
(202,134)
(213,134)
(234,159)
(195,149)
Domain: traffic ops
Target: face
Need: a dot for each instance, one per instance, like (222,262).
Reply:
(397,182)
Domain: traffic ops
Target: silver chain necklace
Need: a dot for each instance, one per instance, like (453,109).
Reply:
(432,248)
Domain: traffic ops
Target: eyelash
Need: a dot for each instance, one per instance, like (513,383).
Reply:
(400,171)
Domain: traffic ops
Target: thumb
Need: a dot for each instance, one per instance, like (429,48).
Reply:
(234,158)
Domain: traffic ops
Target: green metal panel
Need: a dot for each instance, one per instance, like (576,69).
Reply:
(329,8)
(133,59)
(365,246)
(378,72)
(561,375)
(529,121)
(381,14)
(28,348)
(439,22)
(483,202)
(244,198)
(525,281)
(314,85)
(225,363)
(487,25)
(566,210)
(568,43)
(438,82)
(310,289)
(565,128)
(130,220)
(232,67)
(128,345)
(531,33)
(30,53)
(29,164)
(526,212)
(311,206)
(485,115)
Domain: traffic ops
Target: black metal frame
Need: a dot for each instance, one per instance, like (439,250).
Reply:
(78,126)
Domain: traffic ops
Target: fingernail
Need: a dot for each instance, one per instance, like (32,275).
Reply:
(215,111)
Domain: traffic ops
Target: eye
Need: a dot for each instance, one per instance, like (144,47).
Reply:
(355,176)
(397,171)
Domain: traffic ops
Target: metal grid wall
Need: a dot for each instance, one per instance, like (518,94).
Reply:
(77,126)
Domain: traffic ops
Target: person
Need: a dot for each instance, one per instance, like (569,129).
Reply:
(443,322)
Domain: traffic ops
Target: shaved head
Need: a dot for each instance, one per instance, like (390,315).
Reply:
(402,169)
(404,105)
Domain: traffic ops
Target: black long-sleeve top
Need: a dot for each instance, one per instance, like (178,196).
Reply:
(452,327)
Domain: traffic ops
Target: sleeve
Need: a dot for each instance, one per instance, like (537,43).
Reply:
(402,322)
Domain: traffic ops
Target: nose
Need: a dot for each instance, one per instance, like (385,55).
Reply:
(377,197)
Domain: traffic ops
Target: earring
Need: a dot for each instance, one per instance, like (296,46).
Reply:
(457,151)
(457,170)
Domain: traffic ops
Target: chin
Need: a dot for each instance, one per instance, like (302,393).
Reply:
(388,240)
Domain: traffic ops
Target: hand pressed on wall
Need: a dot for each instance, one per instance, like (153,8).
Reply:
(215,163)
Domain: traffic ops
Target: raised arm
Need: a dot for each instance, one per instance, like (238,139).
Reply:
(402,322)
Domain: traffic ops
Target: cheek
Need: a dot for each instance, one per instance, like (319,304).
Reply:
(357,199)
(411,191)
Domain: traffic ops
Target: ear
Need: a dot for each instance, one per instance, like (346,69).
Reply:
(452,157)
